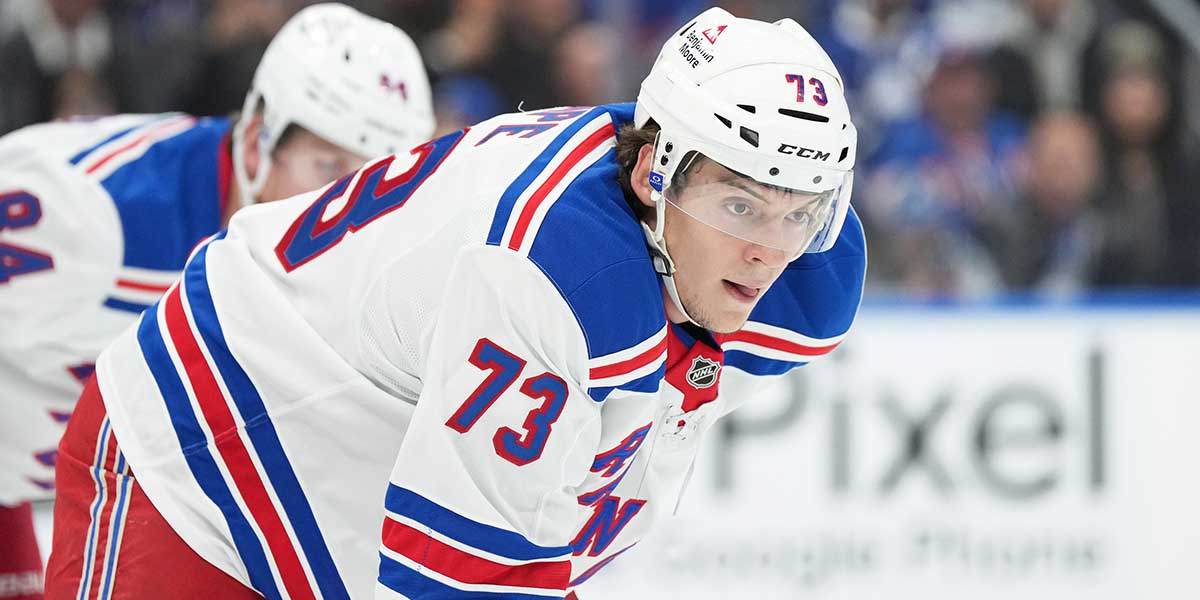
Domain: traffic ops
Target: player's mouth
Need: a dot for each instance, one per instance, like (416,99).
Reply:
(741,292)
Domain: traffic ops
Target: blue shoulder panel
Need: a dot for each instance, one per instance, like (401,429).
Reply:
(591,247)
(168,198)
(621,113)
(817,296)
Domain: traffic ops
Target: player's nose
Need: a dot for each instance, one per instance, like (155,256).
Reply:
(765,255)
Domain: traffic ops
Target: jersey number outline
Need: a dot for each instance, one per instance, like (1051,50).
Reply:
(518,447)
(373,196)
(18,210)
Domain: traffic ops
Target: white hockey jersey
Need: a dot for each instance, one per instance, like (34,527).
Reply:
(464,347)
(97,219)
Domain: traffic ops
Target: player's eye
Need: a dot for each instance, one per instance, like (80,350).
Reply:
(739,208)
(800,218)
(330,169)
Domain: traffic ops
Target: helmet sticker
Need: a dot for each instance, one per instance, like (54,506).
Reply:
(691,51)
(656,181)
(712,37)
(397,86)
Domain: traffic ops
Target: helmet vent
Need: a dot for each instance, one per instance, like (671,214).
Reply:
(807,116)
(750,108)
(750,135)
(845,151)
(727,122)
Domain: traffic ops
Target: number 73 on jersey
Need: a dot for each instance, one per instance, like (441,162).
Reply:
(504,369)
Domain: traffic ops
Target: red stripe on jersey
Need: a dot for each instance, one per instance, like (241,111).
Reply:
(233,452)
(134,143)
(433,554)
(774,343)
(147,287)
(590,143)
(631,365)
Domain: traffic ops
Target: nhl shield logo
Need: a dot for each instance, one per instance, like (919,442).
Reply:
(703,373)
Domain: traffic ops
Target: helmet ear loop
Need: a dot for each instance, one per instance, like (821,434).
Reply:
(245,195)
(657,236)
(657,191)
(266,149)
(251,188)
(660,182)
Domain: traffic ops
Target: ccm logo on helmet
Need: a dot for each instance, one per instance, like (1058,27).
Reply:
(803,152)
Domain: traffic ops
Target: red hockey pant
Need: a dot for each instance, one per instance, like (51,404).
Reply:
(109,541)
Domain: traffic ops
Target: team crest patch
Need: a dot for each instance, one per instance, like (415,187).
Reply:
(703,373)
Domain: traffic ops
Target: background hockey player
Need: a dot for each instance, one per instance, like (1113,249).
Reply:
(98,217)
(522,325)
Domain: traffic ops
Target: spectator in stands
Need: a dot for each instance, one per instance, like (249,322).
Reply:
(1042,56)
(463,100)
(507,45)
(417,18)
(524,51)
(942,179)
(55,61)
(466,40)
(1149,201)
(237,34)
(885,49)
(1050,241)
(584,66)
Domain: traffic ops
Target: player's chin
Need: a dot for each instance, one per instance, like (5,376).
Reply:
(728,320)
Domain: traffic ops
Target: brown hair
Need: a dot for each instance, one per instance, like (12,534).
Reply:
(630,139)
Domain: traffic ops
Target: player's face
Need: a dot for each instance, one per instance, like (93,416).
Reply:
(304,162)
(720,277)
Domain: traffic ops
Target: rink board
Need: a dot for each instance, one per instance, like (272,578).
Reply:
(984,452)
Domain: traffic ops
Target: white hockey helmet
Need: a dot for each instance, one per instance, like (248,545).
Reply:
(352,79)
(761,99)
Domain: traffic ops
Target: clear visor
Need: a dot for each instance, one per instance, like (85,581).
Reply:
(779,218)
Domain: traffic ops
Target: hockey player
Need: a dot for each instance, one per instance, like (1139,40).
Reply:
(524,323)
(97,218)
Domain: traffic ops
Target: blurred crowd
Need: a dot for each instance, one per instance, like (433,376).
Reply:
(1045,146)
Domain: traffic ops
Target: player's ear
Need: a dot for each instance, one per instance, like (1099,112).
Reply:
(639,179)
(251,150)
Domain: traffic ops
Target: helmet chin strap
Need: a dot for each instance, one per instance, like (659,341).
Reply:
(663,265)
